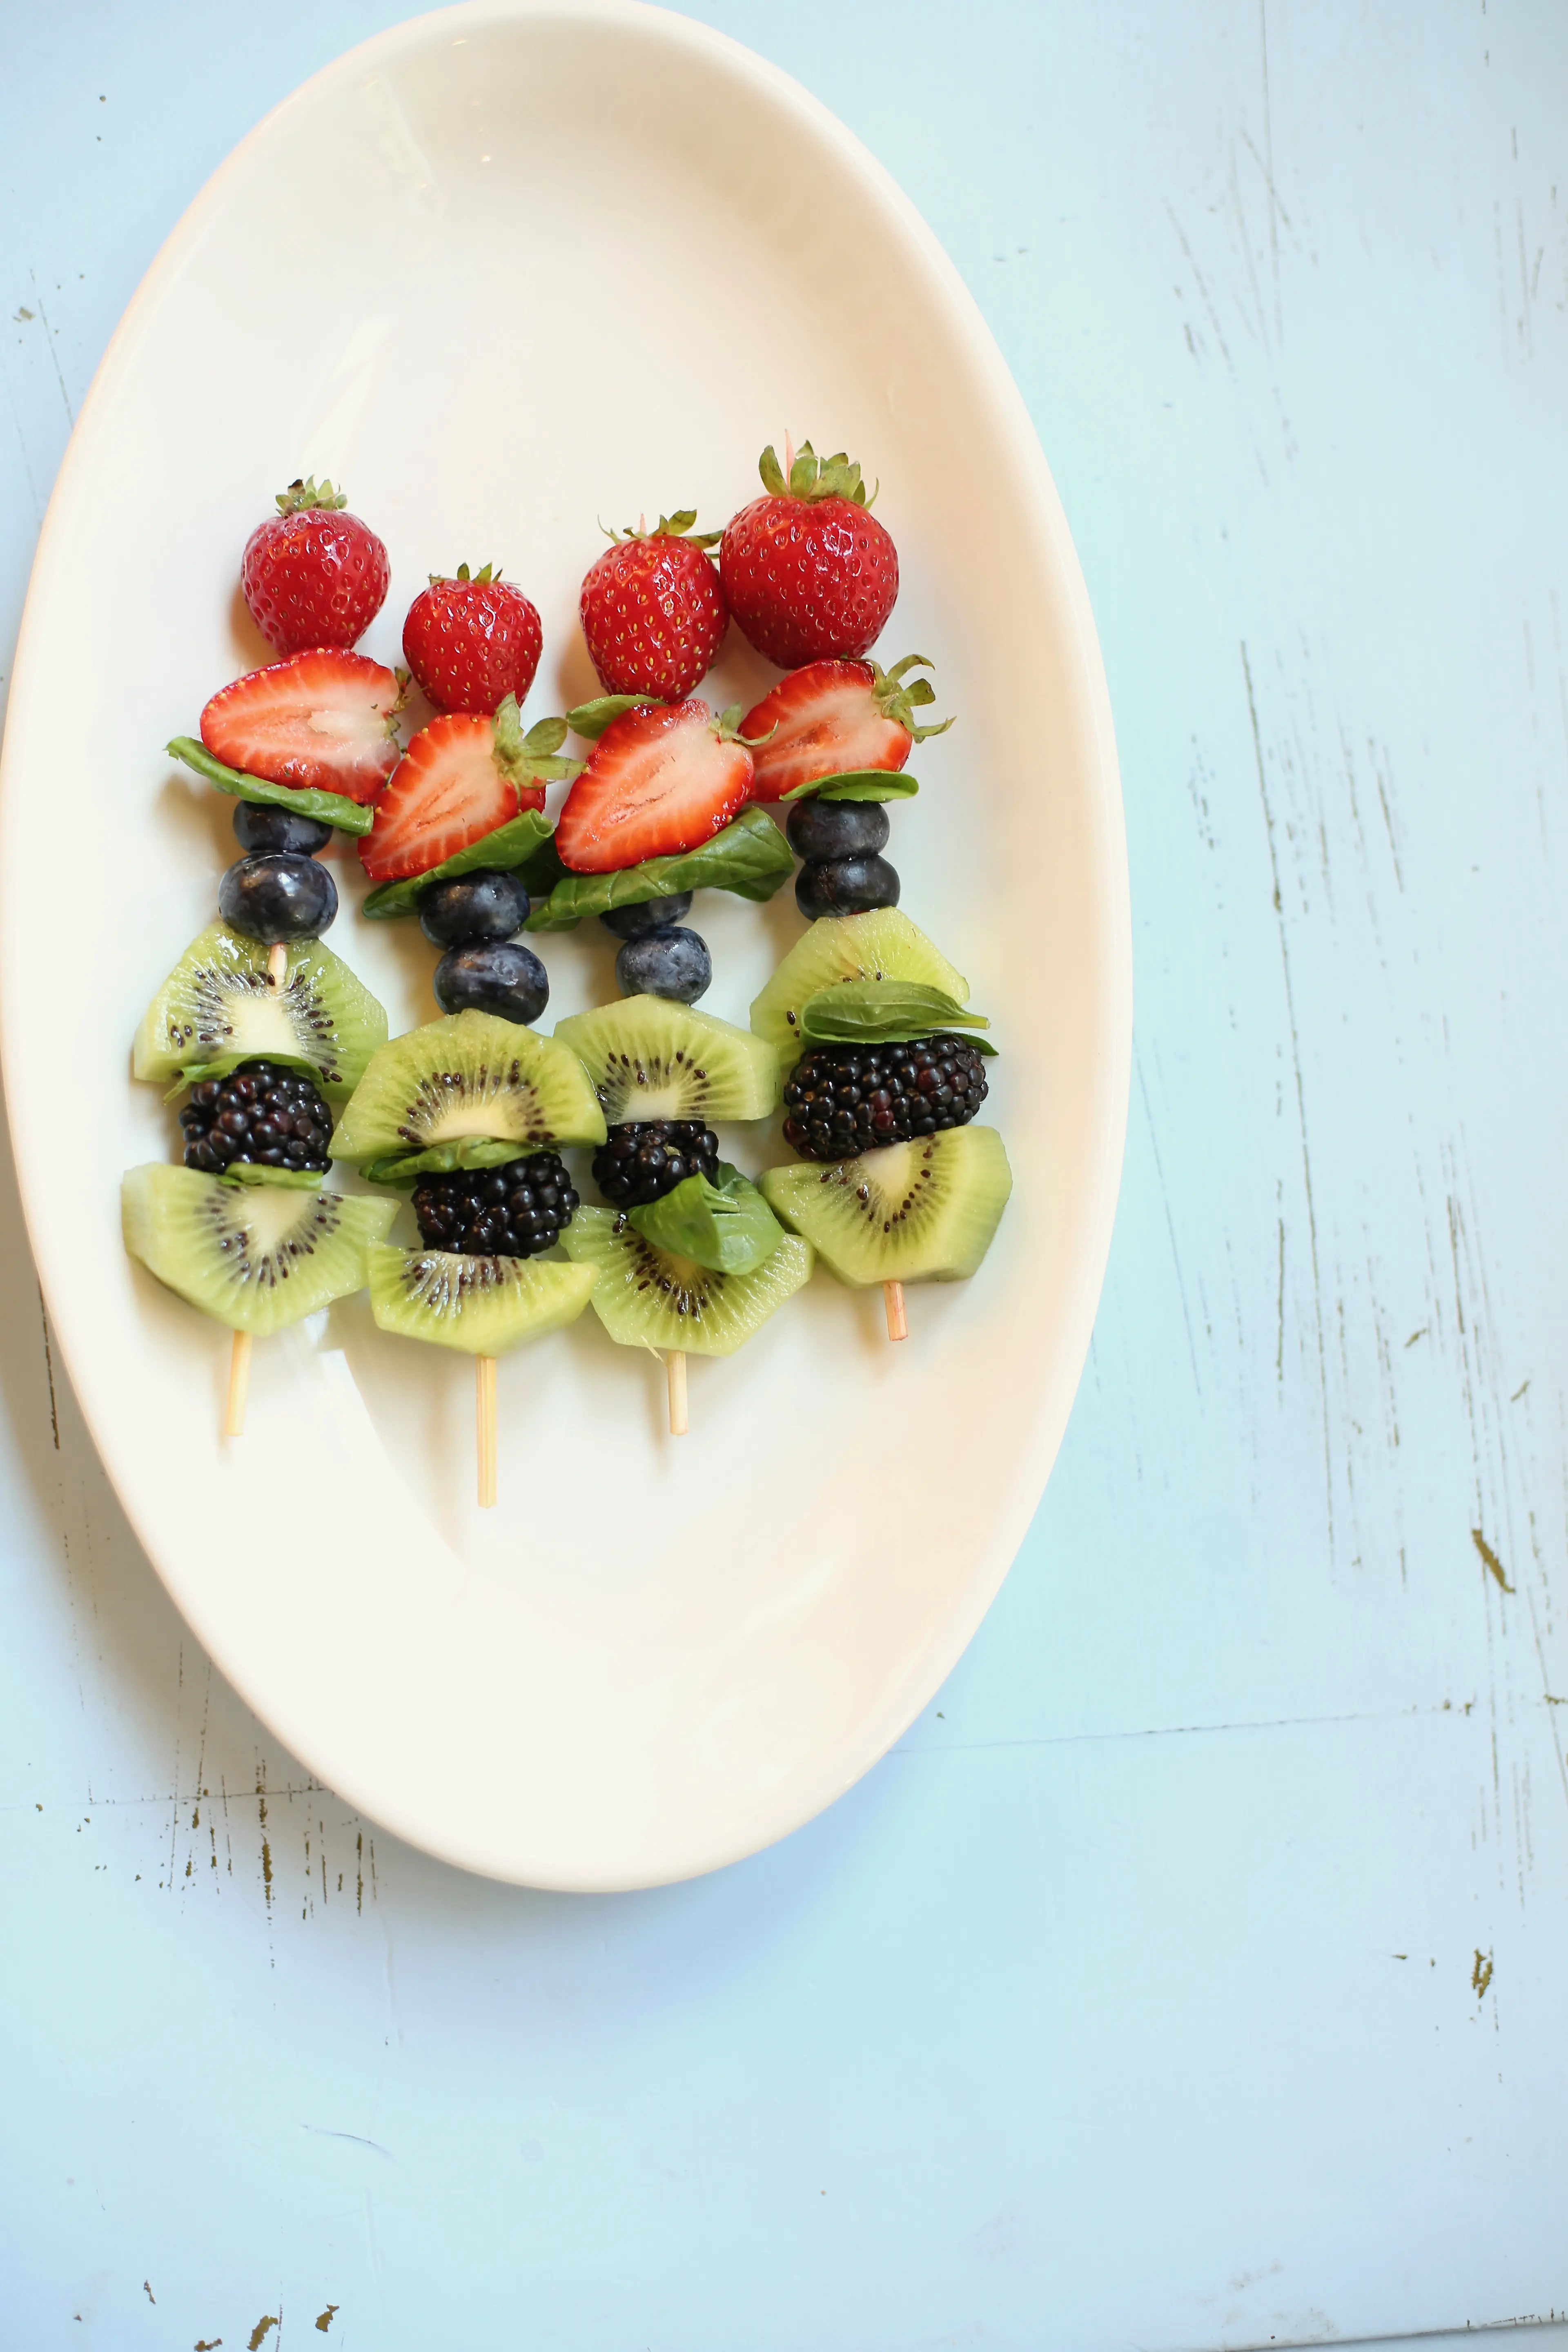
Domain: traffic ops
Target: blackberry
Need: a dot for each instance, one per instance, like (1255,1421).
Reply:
(261,1112)
(841,1100)
(511,1211)
(648,1158)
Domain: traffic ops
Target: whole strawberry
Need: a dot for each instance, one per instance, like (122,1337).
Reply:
(314,576)
(472,641)
(808,571)
(653,612)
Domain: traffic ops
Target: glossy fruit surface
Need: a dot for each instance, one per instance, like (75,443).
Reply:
(514,1211)
(477,906)
(845,886)
(648,915)
(671,962)
(659,781)
(808,573)
(472,640)
(836,828)
(498,976)
(261,1115)
(277,896)
(653,612)
(311,575)
(261,826)
(834,716)
(320,721)
(449,789)
(840,1100)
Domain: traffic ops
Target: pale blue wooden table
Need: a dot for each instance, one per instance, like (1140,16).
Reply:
(1196,1971)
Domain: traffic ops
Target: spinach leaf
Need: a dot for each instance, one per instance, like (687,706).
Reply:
(513,844)
(257,1171)
(885,1013)
(858,785)
(728,1225)
(591,719)
(473,1151)
(327,808)
(750,857)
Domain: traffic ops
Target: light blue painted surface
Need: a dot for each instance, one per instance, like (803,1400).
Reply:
(1136,1998)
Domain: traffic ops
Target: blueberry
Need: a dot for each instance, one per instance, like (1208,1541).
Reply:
(845,886)
(836,828)
(499,976)
(667,962)
(276,898)
(483,905)
(652,915)
(258,827)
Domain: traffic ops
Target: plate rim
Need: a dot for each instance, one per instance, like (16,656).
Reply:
(1026,459)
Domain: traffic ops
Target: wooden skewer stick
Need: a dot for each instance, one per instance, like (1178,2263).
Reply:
(238,1385)
(675,1371)
(240,1355)
(485,1404)
(893,1299)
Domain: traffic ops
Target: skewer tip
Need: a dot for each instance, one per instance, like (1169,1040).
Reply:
(893,1299)
(238,1385)
(485,1420)
(675,1371)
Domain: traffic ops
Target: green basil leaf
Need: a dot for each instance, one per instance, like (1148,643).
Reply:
(750,857)
(254,1172)
(513,844)
(472,1151)
(327,808)
(884,1012)
(223,1065)
(858,785)
(591,719)
(727,1226)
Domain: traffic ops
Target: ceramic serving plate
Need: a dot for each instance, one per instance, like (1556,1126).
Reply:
(505,272)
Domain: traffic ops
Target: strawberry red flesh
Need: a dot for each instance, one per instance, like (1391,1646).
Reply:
(659,781)
(448,791)
(820,721)
(320,721)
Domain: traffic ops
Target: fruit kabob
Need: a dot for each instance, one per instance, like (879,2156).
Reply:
(690,1258)
(261,1024)
(468,1113)
(881,1087)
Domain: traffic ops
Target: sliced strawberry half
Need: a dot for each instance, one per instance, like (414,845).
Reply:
(834,715)
(660,779)
(460,778)
(320,721)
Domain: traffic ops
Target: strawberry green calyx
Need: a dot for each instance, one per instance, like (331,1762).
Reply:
(468,579)
(529,759)
(675,525)
(812,478)
(300,496)
(727,728)
(899,700)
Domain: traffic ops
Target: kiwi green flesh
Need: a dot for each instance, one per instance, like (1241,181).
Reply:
(253,1258)
(881,945)
(481,1304)
(218,1008)
(468,1075)
(648,1297)
(651,1058)
(921,1212)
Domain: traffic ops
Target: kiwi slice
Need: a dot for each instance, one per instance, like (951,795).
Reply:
(919,1212)
(216,1009)
(482,1305)
(470,1074)
(648,1297)
(881,945)
(254,1258)
(651,1058)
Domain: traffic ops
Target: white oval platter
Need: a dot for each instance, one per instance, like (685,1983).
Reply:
(507,271)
